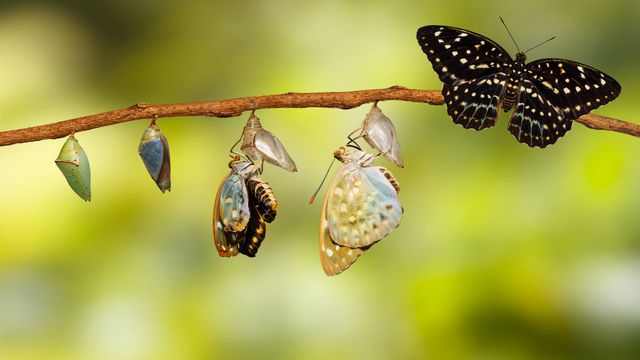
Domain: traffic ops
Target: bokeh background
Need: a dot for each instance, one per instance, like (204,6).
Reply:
(504,252)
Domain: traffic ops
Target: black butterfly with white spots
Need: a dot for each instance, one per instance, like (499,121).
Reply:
(480,77)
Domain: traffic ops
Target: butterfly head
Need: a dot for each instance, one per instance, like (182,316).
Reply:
(243,167)
(521,57)
(353,156)
(341,154)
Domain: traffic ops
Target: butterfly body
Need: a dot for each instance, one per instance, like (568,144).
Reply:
(243,205)
(479,77)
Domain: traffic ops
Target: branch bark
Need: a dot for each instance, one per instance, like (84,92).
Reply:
(235,107)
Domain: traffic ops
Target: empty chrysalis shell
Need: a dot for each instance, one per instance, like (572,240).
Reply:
(260,144)
(73,163)
(154,151)
(379,132)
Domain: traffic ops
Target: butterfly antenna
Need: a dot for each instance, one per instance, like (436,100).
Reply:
(542,43)
(509,32)
(352,141)
(231,151)
(313,197)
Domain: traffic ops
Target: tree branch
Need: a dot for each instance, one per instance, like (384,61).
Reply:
(235,107)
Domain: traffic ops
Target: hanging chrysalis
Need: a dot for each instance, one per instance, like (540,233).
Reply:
(154,151)
(259,144)
(360,208)
(74,164)
(242,207)
(379,132)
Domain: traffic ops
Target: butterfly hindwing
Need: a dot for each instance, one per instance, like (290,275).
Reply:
(475,104)
(535,120)
(333,257)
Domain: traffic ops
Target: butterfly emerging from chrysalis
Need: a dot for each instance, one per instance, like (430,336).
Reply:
(243,204)
(360,208)
(361,205)
(479,77)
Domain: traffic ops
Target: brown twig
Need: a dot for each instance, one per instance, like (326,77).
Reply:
(235,107)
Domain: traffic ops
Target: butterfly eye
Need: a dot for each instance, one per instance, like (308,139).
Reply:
(154,151)
(378,131)
(259,144)
(74,165)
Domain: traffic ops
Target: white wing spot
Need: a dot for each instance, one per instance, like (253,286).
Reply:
(463,61)
(437,33)
(454,53)
(566,90)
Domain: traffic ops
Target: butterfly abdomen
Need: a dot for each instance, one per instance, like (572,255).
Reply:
(255,233)
(266,202)
(512,87)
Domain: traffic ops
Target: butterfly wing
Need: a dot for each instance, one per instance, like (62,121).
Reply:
(379,132)
(535,120)
(234,203)
(475,104)
(459,55)
(226,242)
(472,68)
(554,93)
(362,206)
(333,257)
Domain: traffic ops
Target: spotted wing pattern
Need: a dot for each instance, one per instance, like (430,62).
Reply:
(333,257)
(459,55)
(553,94)
(478,75)
(363,206)
(475,104)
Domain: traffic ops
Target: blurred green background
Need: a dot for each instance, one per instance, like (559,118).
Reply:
(504,252)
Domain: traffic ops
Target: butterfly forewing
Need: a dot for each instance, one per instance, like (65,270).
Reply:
(573,87)
(459,55)
(363,206)
(234,203)
(226,242)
